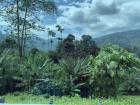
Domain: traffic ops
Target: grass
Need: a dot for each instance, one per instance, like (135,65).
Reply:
(31,99)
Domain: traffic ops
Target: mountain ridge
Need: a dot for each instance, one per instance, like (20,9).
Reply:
(127,39)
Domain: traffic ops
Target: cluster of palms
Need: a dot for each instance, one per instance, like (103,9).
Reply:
(52,34)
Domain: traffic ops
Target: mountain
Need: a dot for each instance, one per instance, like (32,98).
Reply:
(127,39)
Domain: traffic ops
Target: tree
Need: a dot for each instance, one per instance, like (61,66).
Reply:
(29,8)
(9,43)
(87,46)
(78,48)
(67,47)
(34,51)
(60,29)
(51,41)
(52,34)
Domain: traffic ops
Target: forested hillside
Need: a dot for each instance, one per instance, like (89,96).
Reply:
(128,39)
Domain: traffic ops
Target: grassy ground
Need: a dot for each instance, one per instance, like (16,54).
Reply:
(29,99)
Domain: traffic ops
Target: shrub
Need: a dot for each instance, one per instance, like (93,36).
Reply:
(74,76)
(8,72)
(110,68)
(47,88)
(131,84)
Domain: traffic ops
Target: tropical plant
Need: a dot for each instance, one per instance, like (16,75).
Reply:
(78,48)
(31,70)
(8,71)
(67,46)
(109,69)
(87,47)
(73,75)
(60,29)
(131,84)
(52,34)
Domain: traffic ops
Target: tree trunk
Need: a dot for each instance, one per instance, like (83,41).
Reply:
(18,29)
(48,44)
(24,43)
(51,46)
(24,29)
(61,37)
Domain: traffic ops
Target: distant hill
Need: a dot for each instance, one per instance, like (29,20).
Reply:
(41,44)
(36,42)
(128,39)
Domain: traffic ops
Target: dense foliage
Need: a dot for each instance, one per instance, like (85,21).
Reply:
(112,67)
(78,48)
(77,67)
(111,72)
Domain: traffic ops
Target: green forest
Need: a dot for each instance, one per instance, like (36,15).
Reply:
(77,72)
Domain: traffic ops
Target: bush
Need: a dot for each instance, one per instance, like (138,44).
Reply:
(110,68)
(131,85)
(47,88)
(74,76)
(8,72)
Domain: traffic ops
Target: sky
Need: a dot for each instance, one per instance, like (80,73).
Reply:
(93,17)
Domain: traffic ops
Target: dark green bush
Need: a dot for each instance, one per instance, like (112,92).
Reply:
(47,87)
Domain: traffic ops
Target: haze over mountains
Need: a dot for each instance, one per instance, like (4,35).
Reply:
(41,44)
(127,39)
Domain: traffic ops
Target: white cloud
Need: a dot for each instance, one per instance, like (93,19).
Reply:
(101,16)
(94,17)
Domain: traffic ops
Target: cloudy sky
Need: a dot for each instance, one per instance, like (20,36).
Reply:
(94,17)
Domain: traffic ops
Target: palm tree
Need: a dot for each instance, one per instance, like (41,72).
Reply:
(58,38)
(52,34)
(48,29)
(60,29)
(51,41)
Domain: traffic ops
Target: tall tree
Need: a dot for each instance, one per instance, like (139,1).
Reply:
(67,47)
(26,11)
(48,29)
(51,41)
(52,34)
(60,29)
(88,46)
